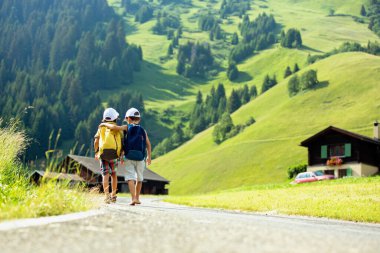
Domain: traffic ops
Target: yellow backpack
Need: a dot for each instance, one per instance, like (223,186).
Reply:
(109,144)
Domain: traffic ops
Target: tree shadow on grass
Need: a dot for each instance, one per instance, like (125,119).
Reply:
(155,84)
(311,49)
(321,85)
(243,77)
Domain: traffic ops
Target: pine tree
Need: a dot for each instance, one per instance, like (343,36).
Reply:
(296,68)
(232,72)
(235,39)
(288,72)
(245,96)
(293,85)
(170,49)
(220,92)
(363,12)
(179,32)
(199,99)
(253,91)
(266,84)
(181,65)
(234,102)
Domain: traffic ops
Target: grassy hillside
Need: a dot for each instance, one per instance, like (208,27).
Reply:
(261,154)
(321,33)
(164,90)
(347,97)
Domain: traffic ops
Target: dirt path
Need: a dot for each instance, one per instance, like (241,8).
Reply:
(161,227)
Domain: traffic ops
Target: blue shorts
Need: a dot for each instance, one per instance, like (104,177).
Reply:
(108,166)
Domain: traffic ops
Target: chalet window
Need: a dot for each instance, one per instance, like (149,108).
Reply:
(337,150)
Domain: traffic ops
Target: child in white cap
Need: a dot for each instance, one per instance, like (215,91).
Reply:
(137,151)
(108,156)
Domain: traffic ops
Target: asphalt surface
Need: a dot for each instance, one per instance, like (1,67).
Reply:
(155,226)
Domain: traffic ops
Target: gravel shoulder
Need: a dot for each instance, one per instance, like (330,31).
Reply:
(156,226)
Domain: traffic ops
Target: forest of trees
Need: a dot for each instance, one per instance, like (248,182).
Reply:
(165,23)
(53,55)
(208,111)
(194,59)
(234,7)
(373,13)
(142,10)
(257,35)
(207,21)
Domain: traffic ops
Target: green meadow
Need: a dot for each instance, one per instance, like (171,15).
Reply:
(347,97)
(354,199)
(163,88)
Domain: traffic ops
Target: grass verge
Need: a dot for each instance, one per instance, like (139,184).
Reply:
(353,199)
(19,198)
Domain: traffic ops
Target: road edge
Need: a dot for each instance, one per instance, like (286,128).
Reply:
(41,221)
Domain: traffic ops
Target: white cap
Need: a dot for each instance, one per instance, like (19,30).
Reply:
(110,114)
(133,112)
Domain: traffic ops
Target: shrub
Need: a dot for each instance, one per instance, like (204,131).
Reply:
(294,170)
(293,85)
(223,128)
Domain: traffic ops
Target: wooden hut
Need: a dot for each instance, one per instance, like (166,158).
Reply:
(88,168)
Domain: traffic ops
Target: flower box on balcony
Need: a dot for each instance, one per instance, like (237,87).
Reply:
(334,160)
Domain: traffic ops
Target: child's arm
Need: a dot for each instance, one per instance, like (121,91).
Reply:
(149,148)
(114,127)
(96,147)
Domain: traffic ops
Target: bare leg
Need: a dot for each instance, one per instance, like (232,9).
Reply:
(114,184)
(138,190)
(132,189)
(106,186)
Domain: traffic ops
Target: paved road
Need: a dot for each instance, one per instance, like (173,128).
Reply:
(161,227)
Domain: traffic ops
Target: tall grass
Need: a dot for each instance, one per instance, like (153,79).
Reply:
(21,199)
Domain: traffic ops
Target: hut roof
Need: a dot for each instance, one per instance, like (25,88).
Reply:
(341,131)
(56,175)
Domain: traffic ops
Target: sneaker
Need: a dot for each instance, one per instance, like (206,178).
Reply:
(107,199)
(113,199)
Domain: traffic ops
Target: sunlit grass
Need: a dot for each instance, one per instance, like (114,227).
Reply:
(354,199)
(21,199)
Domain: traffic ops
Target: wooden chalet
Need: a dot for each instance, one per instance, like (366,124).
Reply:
(342,153)
(88,168)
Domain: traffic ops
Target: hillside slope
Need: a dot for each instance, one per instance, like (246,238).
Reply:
(348,97)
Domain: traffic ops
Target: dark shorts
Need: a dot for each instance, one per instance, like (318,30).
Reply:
(108,166)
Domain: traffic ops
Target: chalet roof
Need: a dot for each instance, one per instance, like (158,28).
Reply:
(93,165)
(60,176)
(341,131)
